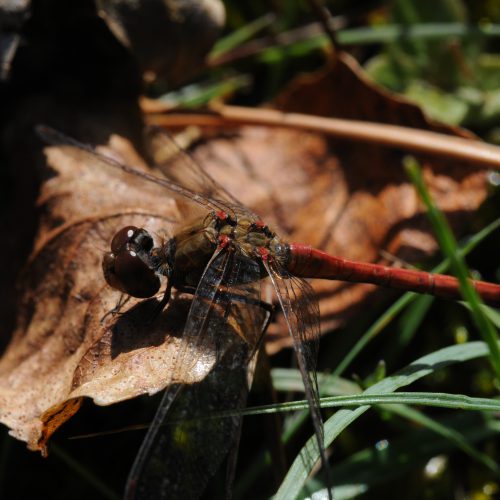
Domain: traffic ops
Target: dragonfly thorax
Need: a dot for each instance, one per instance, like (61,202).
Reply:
(192,248)
(134,265)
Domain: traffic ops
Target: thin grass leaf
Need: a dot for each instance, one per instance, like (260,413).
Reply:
(493,314)
(201,94)
(408,323)
(290,380)
(308,456)
(392,33)
(435,399)
(425,31)
(449,247)
(373,466)
(241,35)
(86,474)
(407,298)
(452,435)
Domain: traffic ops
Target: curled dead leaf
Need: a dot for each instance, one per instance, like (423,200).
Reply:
(369,205)
(66,345)
(349,199)
(315,191)
(53,418)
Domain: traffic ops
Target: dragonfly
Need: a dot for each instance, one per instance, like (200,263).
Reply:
(221,258)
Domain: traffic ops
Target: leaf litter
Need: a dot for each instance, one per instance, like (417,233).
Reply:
(347,198)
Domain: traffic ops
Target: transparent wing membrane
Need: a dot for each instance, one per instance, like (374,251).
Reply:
(178,166)
(54,137)
(223,329)
(301,310)
(220,337)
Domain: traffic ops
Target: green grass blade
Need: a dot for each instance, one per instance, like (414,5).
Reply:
(407,298)
(493,315)
(308,456)
(428,31)
(241,35)
(290,380)
(201,94)
(393,33)
(86,474)
(408,325)
(449,247)
(450,434)
(374,465)
(435,399)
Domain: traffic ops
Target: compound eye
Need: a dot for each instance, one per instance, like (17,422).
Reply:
(135,238)
(127,273)
(108,269)
(124,236)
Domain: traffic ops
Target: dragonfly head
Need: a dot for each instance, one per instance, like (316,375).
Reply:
(128,267)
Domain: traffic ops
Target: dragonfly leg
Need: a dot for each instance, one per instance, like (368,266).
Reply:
(270,308)
(124,298)
(259,303)
(158,308)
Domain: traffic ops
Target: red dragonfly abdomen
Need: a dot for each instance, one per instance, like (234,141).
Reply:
(307,262)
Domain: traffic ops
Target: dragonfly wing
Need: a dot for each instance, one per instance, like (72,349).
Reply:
(179,166)
(223,329)
(301,311)
(88,153)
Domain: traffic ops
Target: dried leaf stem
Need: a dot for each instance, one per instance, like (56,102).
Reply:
(394,136)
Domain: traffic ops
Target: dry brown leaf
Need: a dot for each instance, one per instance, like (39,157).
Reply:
(349,199)
(368,204)
(342,89)
(62,348)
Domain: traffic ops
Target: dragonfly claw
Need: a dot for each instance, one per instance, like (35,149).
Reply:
(116,310)
(158,308)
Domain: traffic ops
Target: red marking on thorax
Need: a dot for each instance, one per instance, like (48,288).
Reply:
(221,215)
(223,240)
(260,224)
(263,252)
